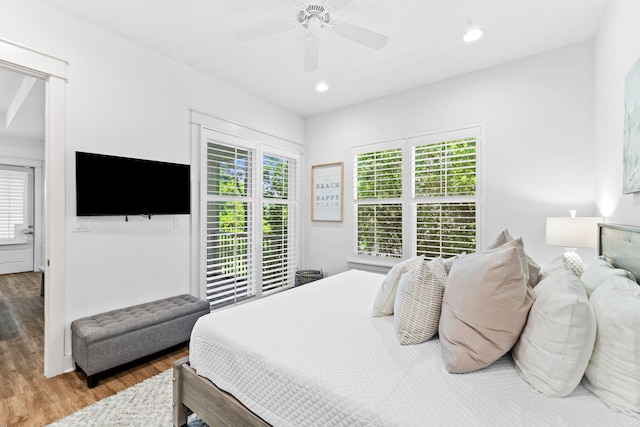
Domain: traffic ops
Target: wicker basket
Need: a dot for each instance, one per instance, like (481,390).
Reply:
(306,276)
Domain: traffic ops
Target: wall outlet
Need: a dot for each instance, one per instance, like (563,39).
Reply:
(176,222)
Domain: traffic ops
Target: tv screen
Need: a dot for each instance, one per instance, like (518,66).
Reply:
(110,185)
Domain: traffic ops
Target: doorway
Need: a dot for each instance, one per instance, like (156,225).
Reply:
(53,72)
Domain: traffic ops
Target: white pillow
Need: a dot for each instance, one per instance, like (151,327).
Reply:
(419,301)
(613,373)
(599,272)
(557,265)
(556,343)
(383,304)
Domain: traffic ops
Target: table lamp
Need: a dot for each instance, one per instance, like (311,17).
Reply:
(573,232)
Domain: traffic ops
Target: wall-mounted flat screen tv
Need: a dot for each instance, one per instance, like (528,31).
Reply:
(110,185)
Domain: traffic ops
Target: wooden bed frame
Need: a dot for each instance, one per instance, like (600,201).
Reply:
(193,393)
(618,244)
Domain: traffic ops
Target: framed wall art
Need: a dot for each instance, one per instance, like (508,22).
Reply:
(327,192)
(631,153)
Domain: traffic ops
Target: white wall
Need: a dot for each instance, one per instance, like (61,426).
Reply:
(125,100)
(616,50)
(537,147)
(21,148)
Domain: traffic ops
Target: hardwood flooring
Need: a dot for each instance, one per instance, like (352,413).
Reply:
(26,396)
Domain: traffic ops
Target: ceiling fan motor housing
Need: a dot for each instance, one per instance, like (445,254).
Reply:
(314,16)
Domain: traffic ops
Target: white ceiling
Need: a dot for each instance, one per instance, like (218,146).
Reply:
(28,121)
(424,41)
(425,45)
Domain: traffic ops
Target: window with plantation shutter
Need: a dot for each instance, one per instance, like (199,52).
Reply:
(251,216)
(377,202)
(13,204)
(416,196)
(444,180)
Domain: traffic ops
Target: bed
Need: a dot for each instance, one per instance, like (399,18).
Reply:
(314,355)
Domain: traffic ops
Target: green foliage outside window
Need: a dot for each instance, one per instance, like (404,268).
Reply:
(443,182)
(229,227)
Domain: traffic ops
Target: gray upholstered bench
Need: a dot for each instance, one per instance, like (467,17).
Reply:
(110,339)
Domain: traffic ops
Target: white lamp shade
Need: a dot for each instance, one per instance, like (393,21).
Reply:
(580,232)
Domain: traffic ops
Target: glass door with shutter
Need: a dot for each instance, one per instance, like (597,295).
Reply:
(16,219)
(251,219)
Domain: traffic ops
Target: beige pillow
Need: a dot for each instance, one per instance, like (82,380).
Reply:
(484,308)
(503,237)
(613,373)
(383,303)
(533,269)
(556,343)
(418,302)
(599,272)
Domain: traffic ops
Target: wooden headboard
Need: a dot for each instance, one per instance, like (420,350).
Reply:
(620,246)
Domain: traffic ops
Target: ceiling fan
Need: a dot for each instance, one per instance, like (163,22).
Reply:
(315,17)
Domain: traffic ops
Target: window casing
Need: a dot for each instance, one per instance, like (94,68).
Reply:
(415,196)
(251,214)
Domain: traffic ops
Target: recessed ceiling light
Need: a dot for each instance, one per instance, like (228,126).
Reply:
(473,35)
(322,87)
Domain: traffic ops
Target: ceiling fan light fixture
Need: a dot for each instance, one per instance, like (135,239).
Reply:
(472,35)
(322,87)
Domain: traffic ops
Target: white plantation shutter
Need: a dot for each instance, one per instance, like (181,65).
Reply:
(279,214)
(444,168)
(445,229)
(444,190)
(251,220)
(230,218)
(416,196)
(13,204)
(377,209)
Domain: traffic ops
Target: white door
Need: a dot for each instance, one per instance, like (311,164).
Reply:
(16,219)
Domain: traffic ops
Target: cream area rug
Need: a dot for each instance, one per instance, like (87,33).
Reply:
(147,404)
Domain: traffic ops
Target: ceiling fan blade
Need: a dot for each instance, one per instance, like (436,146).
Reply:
(339,4)
(361,35)
(264,30)
(312,52)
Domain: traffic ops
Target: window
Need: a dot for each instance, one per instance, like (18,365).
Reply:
(13,204)
(251,217)
(378,202)
(416,196)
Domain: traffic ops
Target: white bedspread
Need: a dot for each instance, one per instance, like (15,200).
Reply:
(314,356)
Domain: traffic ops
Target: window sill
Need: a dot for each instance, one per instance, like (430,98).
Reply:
(371,265)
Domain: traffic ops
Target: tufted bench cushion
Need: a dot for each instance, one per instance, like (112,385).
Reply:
(110,339)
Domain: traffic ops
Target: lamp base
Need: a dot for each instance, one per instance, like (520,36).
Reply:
(574,261)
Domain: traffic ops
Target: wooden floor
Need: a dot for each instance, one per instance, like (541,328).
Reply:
(26,396)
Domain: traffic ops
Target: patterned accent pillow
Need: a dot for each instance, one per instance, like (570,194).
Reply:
(386,297)
(448,262)
(418,302)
